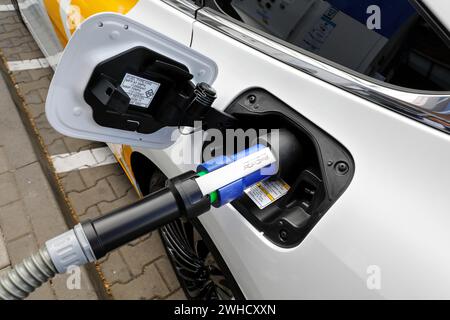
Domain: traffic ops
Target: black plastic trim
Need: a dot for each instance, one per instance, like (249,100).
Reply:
(327,168)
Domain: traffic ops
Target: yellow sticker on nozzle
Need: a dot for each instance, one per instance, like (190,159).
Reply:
(267,192)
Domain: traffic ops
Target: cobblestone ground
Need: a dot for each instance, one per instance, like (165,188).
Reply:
(139,270)
(29,212)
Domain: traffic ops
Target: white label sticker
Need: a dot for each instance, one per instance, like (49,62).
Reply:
(267,192)
(140,90)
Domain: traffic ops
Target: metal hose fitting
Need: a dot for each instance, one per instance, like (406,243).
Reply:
(27,276)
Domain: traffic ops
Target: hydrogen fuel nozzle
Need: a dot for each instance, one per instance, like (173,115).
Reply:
(216,182)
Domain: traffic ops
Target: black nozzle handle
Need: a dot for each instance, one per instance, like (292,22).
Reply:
(181,197)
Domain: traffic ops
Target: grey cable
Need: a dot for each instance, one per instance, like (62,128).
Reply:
(24,278)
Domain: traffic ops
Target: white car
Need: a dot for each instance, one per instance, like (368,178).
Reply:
(362,85)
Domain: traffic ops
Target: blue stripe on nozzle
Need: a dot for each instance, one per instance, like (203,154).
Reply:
(236,189)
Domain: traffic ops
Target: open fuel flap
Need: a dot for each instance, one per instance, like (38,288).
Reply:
(119,81)
(314,169)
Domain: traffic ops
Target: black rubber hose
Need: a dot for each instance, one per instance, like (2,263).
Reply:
(181,197)
(126,224)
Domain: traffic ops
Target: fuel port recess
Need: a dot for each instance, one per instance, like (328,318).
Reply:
(314,170)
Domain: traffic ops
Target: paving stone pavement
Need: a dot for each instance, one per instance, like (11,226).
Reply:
(29,213)
(139,270)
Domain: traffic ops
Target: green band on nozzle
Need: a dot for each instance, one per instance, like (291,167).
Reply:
(213,196)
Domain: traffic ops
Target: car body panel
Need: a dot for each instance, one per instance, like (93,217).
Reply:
(394,216)
(376,222)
